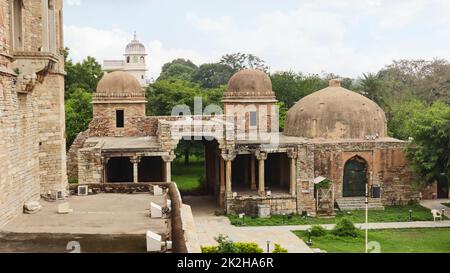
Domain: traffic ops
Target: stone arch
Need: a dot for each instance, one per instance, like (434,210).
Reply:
(355,177)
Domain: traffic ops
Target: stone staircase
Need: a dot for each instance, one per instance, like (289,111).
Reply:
(359,203)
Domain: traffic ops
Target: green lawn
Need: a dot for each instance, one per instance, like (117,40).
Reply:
(430,240)
(390,214)
(446,204)
(187,177)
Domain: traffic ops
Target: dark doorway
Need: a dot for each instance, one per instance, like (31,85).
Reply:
(442,187)
(151,169)
(241,174)
(355,178)
(277,172)
(119,170)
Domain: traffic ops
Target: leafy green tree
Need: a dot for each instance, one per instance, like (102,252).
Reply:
(239,61)
(371,86)
(213,75)
(85,74)
(429,152)
(403,116)
(428,80)
(179,68)
(164,95)
(78,113)
(290,87)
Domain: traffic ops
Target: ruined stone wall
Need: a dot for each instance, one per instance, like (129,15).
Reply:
(90,165)
(305,177)
(19,149)
(52,142)
(249,206)
(386,161)
(32,147)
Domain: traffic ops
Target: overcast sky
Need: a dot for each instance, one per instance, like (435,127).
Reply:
(346,37)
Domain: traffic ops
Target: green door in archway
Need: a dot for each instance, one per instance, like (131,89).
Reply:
(355,178)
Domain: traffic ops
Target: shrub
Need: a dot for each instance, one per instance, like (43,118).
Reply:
(279,249)
(345,228)
(228,246)
(318,231)
(72,180)
(210,249)
(248,248)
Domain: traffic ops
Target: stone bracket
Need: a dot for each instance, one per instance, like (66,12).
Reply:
(32,68)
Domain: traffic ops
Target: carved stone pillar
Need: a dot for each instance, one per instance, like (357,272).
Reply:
(105,161)
(135,160)
(293,170)
(253,173)
(228,160)
(261,156)
(168,166)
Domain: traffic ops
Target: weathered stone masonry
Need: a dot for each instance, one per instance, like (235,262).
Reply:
(32,128)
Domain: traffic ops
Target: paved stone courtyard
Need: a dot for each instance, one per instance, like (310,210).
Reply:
(209,226)
(111,214)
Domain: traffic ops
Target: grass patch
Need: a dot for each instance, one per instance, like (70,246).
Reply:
(390,214)
(446,204)
(426,240)
(188,177)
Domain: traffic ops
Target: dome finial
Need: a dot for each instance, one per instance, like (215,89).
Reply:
(135,35)
(335,83)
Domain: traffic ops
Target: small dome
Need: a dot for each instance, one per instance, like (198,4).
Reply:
(119,85)
(335,113)
(135,47)
(250,84)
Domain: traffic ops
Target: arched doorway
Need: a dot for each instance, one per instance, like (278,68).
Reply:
(355,177)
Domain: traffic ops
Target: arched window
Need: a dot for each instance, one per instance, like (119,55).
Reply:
(142,59)
(17,25)
(128,59)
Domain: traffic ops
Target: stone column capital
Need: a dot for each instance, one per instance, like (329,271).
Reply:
(292,153)
(261,155)
(135,159)
(168,158)
(229,157)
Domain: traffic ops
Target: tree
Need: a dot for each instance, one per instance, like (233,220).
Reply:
(85,74)
(239,61)
(403,116)
(178,68)
(371,86)
(213,75)
(78,113)
(429,152)
(427,80)
(290,87)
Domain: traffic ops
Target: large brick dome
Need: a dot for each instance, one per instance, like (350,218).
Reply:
(335,113)
(119,85)
(250,84)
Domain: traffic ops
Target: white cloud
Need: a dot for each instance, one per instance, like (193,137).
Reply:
(315,37)
(110,44)
(73,2)
(347,37)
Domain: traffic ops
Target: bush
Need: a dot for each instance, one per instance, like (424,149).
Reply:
(345,228)
(318,231)
(248,248)
(210,249)
(279,249)
(72,180)
(228,246)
